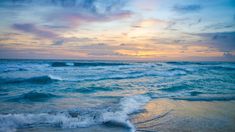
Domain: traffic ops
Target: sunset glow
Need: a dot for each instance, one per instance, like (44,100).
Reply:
(118,29)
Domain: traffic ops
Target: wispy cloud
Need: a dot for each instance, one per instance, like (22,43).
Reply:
(187,8)
(31,28)
(48,34)
(75,12)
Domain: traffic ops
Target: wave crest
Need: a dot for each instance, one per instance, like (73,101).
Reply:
(81,64)
(78,118)
(33,96)
(36,80)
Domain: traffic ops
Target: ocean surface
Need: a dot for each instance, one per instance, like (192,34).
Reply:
(55,95)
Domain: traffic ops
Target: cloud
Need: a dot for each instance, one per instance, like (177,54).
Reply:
(219,26)
(149,23)
(228,55)
(99,49)
(70,13)
(62,41)
(31,28)
(103,49)
(223,41)
(187,8)
(48,34)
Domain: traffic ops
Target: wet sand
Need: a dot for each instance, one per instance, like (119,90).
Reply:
(164,115)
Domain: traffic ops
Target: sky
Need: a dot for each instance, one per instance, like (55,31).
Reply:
(162,30)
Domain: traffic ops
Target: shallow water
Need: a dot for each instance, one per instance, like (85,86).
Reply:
(62,95)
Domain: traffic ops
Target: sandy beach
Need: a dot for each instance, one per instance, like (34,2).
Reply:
(166,115)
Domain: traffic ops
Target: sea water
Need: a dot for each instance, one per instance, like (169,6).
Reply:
(80,95)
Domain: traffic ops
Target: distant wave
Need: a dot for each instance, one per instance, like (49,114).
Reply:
(77,118)
(80,64)
(195,93)
(36,80)
(226,68)
(184,63)
(168,73)
(32,96)
(202,98)
(13,70)
(175,88)
(89,90)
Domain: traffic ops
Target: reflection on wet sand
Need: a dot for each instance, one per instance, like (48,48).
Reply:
(169,115)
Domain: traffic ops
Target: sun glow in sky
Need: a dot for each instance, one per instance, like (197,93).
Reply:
(118,29)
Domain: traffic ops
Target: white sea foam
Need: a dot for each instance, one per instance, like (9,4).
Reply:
(70,64)
(55,77)
(127,105)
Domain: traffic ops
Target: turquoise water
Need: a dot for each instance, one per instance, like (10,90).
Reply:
(82,94)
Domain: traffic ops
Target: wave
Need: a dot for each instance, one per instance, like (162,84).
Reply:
(36,80)
(59,64)
(178,71)
(81,64)
(78,118)
(33,96)
(138,75)
(13,70)
(89,90)
(195,93)
(183,63)
(225,68)
(174,88)
(191,63)
(177,87)
(168,73)
(203,98)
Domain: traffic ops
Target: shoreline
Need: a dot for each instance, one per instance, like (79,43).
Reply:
(167,115)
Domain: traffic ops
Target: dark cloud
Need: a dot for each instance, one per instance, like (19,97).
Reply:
(223,41)
(219,26)
(195,22)
(31,28)
(187,8)
(171,26)
(48,34)
(92,5)
(56,26)
(228,56)
(58,42)
(62,40)
(79,10)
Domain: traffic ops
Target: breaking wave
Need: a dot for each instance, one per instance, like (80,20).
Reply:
(78,118)
(37,80)
(81,64)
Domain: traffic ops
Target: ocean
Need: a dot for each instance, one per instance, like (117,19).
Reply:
(70,95)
